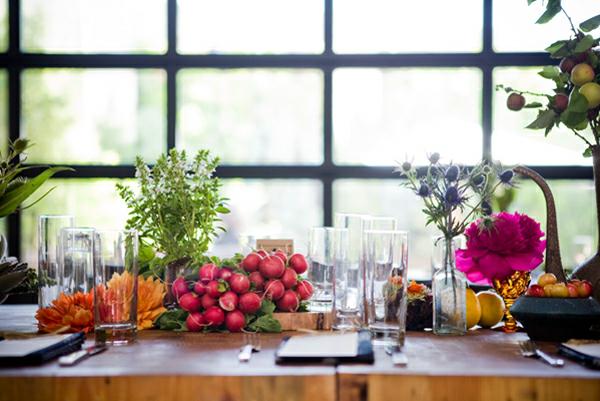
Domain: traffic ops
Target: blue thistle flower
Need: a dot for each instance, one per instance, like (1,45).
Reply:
(452,197)
(478,180)
(506,176)
(434,158)
(406,166)
(452,173)
(424,190)
(486,208)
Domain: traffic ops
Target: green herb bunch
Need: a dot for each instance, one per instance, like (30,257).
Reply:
(454,195)
(178,206)
(575,100)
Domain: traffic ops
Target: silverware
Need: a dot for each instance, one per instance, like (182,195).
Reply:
(529,349)
(251,344)
(398,357)
(78,356)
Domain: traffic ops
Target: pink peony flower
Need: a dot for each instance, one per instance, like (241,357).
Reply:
(498,247)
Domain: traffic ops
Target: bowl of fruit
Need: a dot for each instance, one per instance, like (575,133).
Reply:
(555,311)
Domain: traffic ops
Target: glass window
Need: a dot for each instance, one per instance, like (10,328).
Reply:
(512,142)
(3,25)
(270,209)
(515,29)
(259,26)
(101,116)
(93,202)
(94,26)
(406,26)
(384,115)
(252,116)
(578,235)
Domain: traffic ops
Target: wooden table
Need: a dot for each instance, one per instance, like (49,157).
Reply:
(484,365)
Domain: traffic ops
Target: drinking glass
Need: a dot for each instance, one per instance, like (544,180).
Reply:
(76,261)
(345,293)
(48,236)
(387,261)
(115,290)
(320,273)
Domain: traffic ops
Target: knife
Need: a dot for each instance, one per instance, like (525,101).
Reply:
(78,356)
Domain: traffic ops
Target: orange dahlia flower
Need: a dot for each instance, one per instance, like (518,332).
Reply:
(151,293)
(68,314)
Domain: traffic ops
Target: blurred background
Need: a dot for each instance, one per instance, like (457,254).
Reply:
(309,104)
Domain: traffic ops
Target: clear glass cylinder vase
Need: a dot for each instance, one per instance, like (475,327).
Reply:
(449,287)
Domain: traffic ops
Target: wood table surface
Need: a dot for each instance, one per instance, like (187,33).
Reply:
(483,365)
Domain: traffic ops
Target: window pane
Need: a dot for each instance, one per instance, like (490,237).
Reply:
(384,115)
(575,211)
(513,143)
(397,26)
(94,26)
(3,25)
(515,28)
(387,198)
(252,116)
(3,110)
(270,208)
(93,202)
(240,26)
(103,116)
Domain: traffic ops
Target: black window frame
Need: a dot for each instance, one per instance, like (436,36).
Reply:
(15,61)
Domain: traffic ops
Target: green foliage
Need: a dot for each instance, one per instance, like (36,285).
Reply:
(178,205)
(552,8)
(172,320)
(264,321)
(590,24)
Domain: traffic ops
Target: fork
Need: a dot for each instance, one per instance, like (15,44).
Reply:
(252,344)
(529,349)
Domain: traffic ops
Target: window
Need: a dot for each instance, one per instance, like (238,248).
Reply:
(309,104)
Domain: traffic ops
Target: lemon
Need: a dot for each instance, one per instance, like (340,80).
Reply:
(492,308)
(591,91)
(473,309)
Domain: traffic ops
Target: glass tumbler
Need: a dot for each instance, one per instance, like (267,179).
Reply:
(320,273)
(76,261)
(387,260)
(48,236)
(345,306)
(116,283)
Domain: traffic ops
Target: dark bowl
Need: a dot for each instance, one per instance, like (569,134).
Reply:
(558,319)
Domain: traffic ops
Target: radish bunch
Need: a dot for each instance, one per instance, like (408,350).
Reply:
(230,297)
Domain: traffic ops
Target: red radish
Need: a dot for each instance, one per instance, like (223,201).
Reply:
(199,288)
(274,289)
(289,278)
(263,254)
(289,302)
(251,261)
(208,272)
(214,316)
(190,302)
(228,301)
(207,301)
(281,255)
(215,288)
(271,267)
(258,280)
(305,289)
(195,321)
(239,283)
(225,274)
(235,321)
(298,262)
(179,287)
(249,303)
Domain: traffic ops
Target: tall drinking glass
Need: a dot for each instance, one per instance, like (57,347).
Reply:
(76,262)
(320,273)
(345,306)
(115,290)
(48,236)
(387,261)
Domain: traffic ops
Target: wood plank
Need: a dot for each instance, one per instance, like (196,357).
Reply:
(304,320)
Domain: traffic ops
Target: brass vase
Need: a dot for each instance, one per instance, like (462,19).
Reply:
(510,289)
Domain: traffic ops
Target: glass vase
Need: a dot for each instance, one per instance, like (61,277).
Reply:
(449,288)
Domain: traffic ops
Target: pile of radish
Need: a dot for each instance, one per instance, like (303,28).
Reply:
(231,297)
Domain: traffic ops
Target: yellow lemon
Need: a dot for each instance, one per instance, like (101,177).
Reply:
(492,308)
(591,91)
(582,74)
(473,309)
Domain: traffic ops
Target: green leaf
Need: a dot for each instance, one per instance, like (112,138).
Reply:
(171,320)
(572,119)
(10,201)
(146,254)
(556,46)
(544,120)
(265,324)
(533,105)
(587,152)
(267,307)
(587,42)
(577,102)
(590,24)
(222,210)
(530,2)
(552,8)
(550,72)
